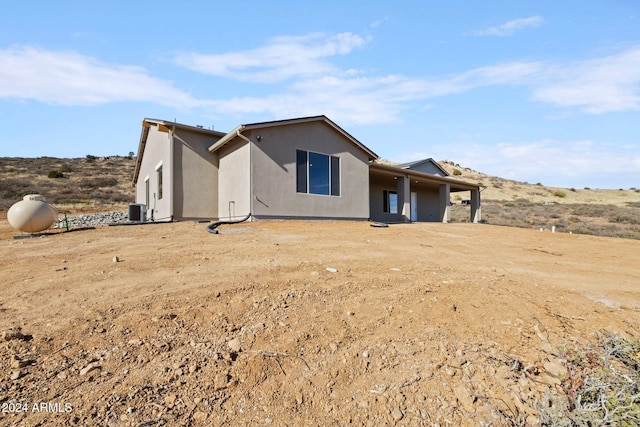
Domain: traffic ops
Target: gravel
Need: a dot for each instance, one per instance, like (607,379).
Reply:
(92,220)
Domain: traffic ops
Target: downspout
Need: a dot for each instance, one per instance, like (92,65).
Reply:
(171,165)
(250,172)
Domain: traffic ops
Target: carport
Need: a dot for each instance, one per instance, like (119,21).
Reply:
(402,195)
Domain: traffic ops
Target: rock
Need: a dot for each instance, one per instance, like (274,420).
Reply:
(234,345)
(464,397)
(170,400)
(200,416)
(332,270)
(15,374)
(554,368)
(540,332)
(397,414)
(333,347)
(14,334)
(220,381)
(116,259)
(365,354)
(90,367)
(17,363)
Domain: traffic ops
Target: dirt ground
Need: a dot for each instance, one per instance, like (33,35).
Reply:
(302,323)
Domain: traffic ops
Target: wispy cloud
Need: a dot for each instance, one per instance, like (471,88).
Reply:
(550,161)
(282,58)
(69,78)
(303,78)
(511,27)
(601,85)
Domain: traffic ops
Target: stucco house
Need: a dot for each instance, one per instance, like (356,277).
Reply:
(298,168)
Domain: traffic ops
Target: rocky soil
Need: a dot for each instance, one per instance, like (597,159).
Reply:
(304,323)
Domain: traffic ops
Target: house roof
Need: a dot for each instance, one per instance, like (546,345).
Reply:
(164,126)
(411,165)
(261,125)
(455,184)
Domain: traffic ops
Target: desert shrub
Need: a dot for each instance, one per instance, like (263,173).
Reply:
(559,193)
(572,189)
(622,218)
(55,174)
(539,184)
(99,182)
(602,385)
(15,188)
(90,159)
(457,172)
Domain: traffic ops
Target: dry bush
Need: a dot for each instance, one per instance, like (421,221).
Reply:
(598,220)
(602,385)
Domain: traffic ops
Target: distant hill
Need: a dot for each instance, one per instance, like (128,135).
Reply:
(75,185)
(504,189)
(95,184)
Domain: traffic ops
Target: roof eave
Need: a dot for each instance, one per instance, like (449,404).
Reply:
(455,183)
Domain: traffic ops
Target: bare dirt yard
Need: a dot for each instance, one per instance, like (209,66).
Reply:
(307,323)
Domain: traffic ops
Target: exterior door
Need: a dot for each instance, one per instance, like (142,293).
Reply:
(414,206)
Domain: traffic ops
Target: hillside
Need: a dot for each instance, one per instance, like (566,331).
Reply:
(75,185)
(94,184)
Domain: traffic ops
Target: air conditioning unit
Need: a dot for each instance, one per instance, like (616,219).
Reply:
(137,212)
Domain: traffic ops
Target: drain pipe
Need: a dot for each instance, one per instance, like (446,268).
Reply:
(211,228)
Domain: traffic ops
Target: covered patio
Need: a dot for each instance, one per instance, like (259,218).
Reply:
(401,195)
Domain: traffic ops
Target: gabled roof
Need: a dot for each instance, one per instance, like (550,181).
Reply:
(164,126)
(261,125)
(412,165)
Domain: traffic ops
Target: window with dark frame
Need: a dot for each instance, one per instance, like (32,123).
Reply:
(159,175)
(390,201)
(317,173)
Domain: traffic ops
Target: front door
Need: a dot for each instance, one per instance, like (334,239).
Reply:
(414,206)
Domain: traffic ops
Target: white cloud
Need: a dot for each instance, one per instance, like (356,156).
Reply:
(568,163)
(610,83)
(281,59)
(511,27)
(69,78)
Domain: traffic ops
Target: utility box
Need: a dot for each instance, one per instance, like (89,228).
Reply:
(137,212)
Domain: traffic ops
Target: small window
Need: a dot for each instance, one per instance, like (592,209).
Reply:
(159,176)
(390,201)
(317,173)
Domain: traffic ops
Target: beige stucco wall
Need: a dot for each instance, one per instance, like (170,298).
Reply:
(196,176)
(157,150)
(274,173)
(233,180)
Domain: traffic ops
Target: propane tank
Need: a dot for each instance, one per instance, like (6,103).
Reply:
(32,214)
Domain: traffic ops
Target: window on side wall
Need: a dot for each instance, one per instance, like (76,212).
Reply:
(159,176)
(390,201)
(317,173)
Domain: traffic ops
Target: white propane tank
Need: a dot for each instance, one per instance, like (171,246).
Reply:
(32,214)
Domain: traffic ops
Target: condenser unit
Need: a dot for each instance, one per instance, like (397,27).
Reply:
(137,212)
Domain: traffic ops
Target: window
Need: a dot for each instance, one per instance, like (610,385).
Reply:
(317,173)
(159,176)
(390,201)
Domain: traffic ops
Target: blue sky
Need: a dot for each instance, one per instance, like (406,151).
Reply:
(537,91)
